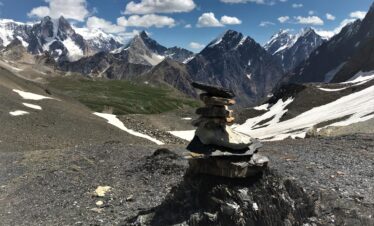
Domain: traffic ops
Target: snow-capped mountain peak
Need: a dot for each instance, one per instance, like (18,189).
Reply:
(227,39)
(292,49)
(280,42)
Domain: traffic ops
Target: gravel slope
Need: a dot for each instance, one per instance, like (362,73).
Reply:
(55,187)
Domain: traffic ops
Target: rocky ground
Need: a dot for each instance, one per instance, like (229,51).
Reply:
(52,161)
(324,181)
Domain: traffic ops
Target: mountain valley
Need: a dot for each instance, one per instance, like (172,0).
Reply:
(94,127)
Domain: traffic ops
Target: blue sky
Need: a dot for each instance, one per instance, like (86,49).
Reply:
(192,23)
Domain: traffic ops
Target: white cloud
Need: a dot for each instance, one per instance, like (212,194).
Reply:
(104,25)
(266,24)
(159,6)
(353,17)
(196,45)
(243,1)
(188,26)
(310,20)
(39,12)
(70,9)
(311,12)
(358,14)
(330,16)
(283,19)
(149,20)
(283,0)
(230,20)
(208,20)
(297,5)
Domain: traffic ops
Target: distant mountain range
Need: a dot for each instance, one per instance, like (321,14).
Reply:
(232,60)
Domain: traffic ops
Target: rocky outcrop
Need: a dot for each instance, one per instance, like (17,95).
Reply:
(265,200)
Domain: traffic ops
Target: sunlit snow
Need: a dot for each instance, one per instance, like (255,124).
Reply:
(30,96)
(18,113)
(75,52)
(263,107)
(358,106)
(332,90)
(113,120)
(33,106)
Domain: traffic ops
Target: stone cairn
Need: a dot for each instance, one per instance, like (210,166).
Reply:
(216,149)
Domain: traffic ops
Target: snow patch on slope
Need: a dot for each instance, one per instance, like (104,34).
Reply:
(113,120)
(75,52)
(360,78)
(185,135)
(358,106)
(18,113)
(332,90)
(273,116)
(263,107)
(30,96)
(33,106)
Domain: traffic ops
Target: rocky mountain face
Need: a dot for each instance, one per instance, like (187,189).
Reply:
(327,60)
(58,38)
(9,30)
(126,62)
(174,53)
(103,65)
(172,74)
(238,63)
(291,49)
(129,61)
(15,51)
(362,61)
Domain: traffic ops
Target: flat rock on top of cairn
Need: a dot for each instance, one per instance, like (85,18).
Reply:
(214,90)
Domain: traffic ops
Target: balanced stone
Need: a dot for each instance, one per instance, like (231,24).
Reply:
(216,121)
(199,150)
(214,112)
(218,101)
(227,167)
(214,90)
(223,136)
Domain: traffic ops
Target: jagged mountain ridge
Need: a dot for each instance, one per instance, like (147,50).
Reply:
(57,37)
(128,62)
(292,49)
(237,62)
(328,59)
(174,53)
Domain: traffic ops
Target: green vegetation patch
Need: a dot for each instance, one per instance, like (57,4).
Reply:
(123,97)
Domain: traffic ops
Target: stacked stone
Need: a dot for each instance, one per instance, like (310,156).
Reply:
(217,149)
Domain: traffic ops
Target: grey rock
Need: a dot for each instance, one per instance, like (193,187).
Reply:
(216,101)
(228,167)
(214,90)
(223,136)
(214,112)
